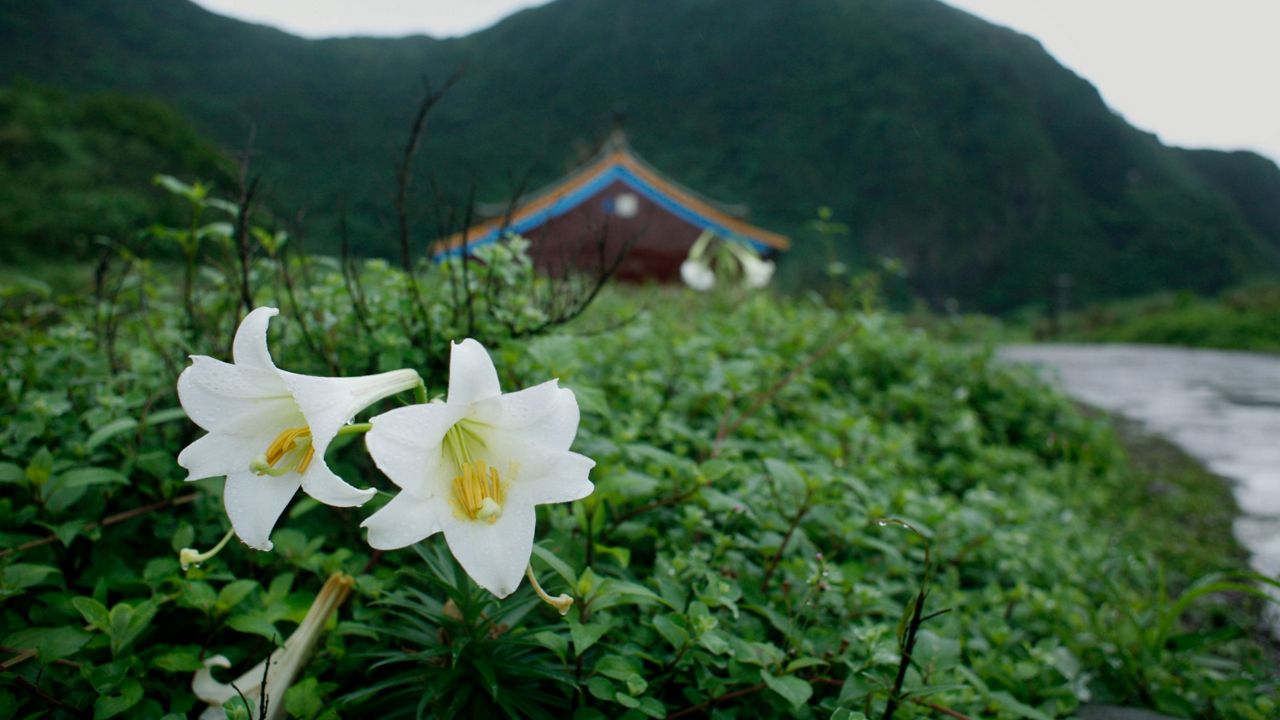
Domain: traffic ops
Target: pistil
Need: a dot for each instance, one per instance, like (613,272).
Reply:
(561,603)
(477,488)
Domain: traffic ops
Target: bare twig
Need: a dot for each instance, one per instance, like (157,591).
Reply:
(243,249)
(300,314)
(774,561)
(26,684)
(106,522)
(403,175)
(707,705)
(661,502)
(405,170)
(940,709)
(351,278)
(248,188)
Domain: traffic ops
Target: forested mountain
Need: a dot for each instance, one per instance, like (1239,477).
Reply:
(958,146)
(75,168)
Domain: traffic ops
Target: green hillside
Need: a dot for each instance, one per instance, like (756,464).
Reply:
(75,168)
(960,147)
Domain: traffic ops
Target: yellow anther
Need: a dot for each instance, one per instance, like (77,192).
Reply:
(477,491)
(295,442)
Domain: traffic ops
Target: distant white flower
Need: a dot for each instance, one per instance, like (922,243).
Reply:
(281,667)
(697,274)
(696,270)
(474,467)
(709,254)
(756,271)
(268,429)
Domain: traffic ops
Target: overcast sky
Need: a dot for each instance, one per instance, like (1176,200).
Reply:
(1199,73)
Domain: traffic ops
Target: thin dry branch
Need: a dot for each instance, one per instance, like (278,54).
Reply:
(106,522)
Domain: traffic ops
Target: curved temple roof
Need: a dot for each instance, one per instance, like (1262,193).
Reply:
(616,162)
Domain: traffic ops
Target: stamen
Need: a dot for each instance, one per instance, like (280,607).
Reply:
(477,491)
(292,443)
(561,604)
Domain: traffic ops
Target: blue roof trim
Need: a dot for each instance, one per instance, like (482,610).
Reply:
(595,185)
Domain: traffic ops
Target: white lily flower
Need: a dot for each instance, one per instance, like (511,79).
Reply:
(696,269)
(697,274)
(268,429)
(474,467)
(281,667)
(756,271)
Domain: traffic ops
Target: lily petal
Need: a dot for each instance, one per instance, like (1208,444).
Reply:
(472,376)
(697,275)
(205,687)
(249,349)
(405,444)
(242,401)
(330,403)
(214,455)
(254,504)
(402,522)
(562,479)
(494,555)
(548,411)
(324,485)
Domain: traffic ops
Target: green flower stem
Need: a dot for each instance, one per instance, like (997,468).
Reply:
(354,428)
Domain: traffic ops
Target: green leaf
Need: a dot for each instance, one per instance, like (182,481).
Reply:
(89,476)
(40,469)
(804,662)
(791,688)
(112,705)
(592,400)
(254,624)
(653,707)
(199,595)
(183,659)
(713,470)
(110,430)
(560,567)
(584,636)
(600,688)
(128,622)
(53,643)
(94,612)
(160,417)
(20,576)
(615,592)
(617,667)
(303,700)
(555,642)
(12,474)
(786,475)
(669,627)
(233,593)
(68,531)
(1020,709)
(714,641)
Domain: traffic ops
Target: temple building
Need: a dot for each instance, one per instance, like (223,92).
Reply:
(616,202)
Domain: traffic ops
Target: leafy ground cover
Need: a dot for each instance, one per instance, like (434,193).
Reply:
(799,511)
(1244,318)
